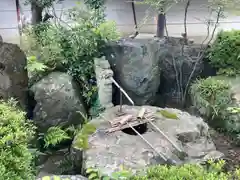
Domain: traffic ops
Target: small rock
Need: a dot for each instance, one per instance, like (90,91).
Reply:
(214,155)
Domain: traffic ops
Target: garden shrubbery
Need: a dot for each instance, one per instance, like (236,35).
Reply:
(214,171)
(72,47)
(16,160)
(213,98)
(209,171)
(225,52)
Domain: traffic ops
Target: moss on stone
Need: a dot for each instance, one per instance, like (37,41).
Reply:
(167,114)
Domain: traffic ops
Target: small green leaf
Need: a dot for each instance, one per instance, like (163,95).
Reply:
(106,178)
(93,176)
(168,114)
(89,170)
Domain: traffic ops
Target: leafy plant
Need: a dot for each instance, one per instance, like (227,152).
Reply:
(16,133)
(234,110)
(93,174)
(212,170)
(224,53)
(81,139)
(95,4)
(74,46)
(54,136)
(124,173)
(188,171)
(34,66)
(211,96)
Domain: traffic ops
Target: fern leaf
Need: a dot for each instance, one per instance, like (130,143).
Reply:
(54,136)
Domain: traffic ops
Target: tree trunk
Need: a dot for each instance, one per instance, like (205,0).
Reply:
(160,25)
(36,12)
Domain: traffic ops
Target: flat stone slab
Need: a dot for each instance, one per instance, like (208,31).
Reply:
(108,152)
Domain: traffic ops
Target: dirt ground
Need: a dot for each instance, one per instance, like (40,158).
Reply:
(226,145)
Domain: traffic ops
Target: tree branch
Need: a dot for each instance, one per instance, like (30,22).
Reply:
(202,55)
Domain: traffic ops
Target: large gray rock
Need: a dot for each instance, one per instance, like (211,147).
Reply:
(135,64)
(156,71)
(63,177)
(108,152)
(13,74)
(58,101)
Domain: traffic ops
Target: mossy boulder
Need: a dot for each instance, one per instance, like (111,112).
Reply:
(58,102)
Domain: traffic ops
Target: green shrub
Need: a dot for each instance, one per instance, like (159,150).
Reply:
(212,97)
(72,47)
(210,171)
(225,52)
(188,172)
(16,133)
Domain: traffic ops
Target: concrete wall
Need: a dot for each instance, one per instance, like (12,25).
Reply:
(8,21)
(121,12)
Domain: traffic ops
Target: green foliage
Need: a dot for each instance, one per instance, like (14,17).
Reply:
(34,66)
(16,133)
(211,97)
(188,171)
(81,140)
(168,114)
(73,47)
(211,171)
(96,109)
(225,51)
(54,136)
(234,110)
(95,4)
(95,174)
